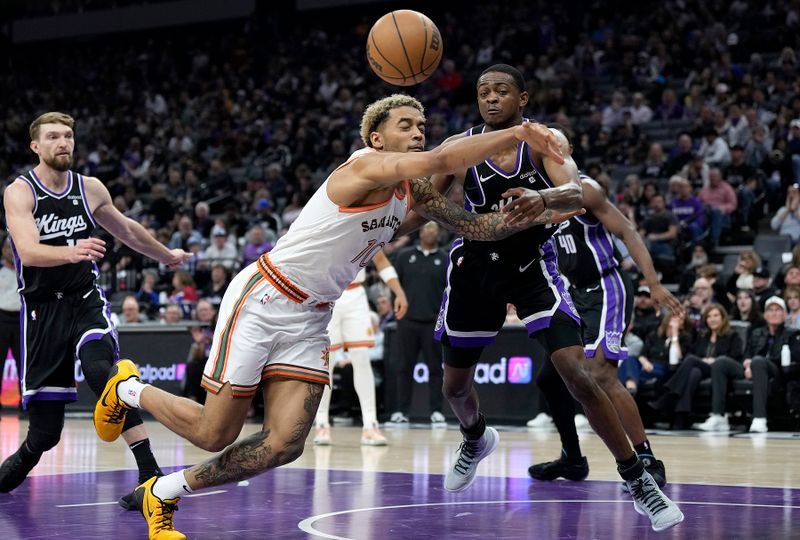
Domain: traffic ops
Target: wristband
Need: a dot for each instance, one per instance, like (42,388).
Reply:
(388,273)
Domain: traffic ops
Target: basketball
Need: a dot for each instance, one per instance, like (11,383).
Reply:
(404,47)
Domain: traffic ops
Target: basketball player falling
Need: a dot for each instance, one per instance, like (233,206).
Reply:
(271,330)
(522,270)
(51,214)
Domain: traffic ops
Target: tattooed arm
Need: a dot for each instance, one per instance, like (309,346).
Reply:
(482,227)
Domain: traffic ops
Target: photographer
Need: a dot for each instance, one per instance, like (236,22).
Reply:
(787,219)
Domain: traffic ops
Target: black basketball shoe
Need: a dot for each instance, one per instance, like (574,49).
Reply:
(571,470)
(15,469)
(129,501)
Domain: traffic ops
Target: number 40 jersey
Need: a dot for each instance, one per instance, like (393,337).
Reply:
(586,250)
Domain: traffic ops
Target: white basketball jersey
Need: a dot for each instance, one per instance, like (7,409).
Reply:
(328,245)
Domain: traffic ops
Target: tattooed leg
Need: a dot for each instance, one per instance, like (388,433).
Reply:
(290,407)
(212,426)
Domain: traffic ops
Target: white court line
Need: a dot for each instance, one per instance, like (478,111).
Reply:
(307,525)
(204,494)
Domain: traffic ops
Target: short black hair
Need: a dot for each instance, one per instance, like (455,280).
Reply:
(519,80)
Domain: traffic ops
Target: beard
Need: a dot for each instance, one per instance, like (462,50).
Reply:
(61,163)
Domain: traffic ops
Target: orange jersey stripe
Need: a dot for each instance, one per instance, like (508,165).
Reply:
(233,321)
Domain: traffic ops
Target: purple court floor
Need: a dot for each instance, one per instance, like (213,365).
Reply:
(336,504)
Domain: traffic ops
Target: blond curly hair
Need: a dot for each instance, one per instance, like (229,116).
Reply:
(378,111)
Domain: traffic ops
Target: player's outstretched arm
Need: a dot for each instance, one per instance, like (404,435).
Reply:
(594,200)
(129,232)
(482,227)
(383,169)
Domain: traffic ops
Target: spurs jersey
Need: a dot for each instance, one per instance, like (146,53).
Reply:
(62,219)
(328,245)
(483,188)
(586,250)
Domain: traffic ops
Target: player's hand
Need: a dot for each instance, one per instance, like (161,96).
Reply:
(176,258)
(400,306)
(541,140)
(527,204)
(88,249)
(663,297)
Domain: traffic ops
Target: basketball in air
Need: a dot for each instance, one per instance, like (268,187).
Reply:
(404,47)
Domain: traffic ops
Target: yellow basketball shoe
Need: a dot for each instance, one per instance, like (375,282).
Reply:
(157,513)
(110,410)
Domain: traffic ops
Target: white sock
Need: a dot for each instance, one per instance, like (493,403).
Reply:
(364,382)
(322,418)
(171,486)
(130,391)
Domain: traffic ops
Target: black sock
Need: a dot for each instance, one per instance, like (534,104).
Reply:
(572,457)
(644,449)
(145,460)
(475,432)
(631,468)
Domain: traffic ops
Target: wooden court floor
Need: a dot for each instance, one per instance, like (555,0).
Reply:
(729,486)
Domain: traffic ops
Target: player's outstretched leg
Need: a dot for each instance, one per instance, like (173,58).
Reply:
(290,407)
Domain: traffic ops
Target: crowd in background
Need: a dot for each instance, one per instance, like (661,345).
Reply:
(215,136)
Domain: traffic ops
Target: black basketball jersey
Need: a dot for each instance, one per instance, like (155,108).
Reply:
(62,219)
(586,250)
(484,185)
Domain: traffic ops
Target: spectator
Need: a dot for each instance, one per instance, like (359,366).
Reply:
(612,113)
(660,230)
(738,171)
(640,112)
(787,220)
(747,310)
(266,216)
(9,309)
(293,209)
(742,276)
(762,362)
(185,233)
(680,155)
(673,337)
(720,198)
(717,342)
(655,162)
(184,292)
(202,336)
(173,314)
(688,210)
(256,246)
(792,298)
(216,287)
(131,313)
(203,221)
(702,295)
(670,108)
(221,251)
(383,307)
(147,295)
(793,147)
(696,171)
(762,287)
(714,150)
(646,318)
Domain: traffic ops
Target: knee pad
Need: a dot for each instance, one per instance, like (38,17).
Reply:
(97,357)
